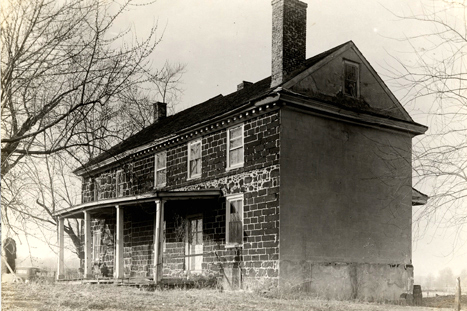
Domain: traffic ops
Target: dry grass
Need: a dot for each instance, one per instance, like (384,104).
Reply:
(444,301)
(48,297)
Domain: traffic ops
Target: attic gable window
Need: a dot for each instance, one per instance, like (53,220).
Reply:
(160,169)
(235,147)
(351,79)
(234,220)
(194,159)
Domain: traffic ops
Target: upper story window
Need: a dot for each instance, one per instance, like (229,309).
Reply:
(234,220)
(235,147)
(97,188)
(351,79)
(194,159)
(160,169)
(120,183)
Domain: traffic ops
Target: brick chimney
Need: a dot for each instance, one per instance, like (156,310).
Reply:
(243,85)
(288,38)
(160,111)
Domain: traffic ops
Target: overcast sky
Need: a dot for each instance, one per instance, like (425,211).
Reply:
(223,42)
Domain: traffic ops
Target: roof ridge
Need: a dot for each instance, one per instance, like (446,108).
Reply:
(203,111)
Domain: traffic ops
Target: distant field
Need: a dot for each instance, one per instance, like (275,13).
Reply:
(54,297)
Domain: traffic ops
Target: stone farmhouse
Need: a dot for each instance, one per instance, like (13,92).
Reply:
(301,180)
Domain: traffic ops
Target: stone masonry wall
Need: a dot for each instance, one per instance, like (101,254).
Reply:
(258,180)
(134,178)
(138,242)
(106,227)
(258,258)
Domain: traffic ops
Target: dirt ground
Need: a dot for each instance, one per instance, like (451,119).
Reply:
(63,297)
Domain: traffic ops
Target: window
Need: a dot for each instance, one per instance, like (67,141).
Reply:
(351,79)
(96,245)
(120,183)
(194,244)
(97,185)
(234,220)
(235,147)
(100,182)
(160,169)
(194,159)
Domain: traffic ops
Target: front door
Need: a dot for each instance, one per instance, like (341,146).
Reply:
(194,245)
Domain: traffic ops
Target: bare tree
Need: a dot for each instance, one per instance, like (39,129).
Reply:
(66,72)
(445,279)
(62,63)
(136,103)
(30,197)
(168,84)
(433,76)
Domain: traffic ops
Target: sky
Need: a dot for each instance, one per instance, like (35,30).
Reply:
(225,42)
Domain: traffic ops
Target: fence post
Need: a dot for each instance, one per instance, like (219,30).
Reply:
(457,301)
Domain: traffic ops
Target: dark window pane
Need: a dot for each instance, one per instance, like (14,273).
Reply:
(351,80)
(235,232)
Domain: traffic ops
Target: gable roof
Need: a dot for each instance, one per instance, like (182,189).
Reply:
(207,110)
(398,112)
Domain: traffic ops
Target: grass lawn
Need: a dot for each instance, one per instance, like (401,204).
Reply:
(63,297)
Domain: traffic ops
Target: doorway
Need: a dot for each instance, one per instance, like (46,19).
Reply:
(194,244)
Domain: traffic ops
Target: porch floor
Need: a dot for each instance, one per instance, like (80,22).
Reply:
(165,283)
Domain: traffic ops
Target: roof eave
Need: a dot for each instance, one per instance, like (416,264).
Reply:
(317,106)
(265,99)
(418,198)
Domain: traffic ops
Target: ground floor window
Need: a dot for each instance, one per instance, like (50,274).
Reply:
(234,220)
(96,245)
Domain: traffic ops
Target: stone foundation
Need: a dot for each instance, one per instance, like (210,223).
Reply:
(345,281)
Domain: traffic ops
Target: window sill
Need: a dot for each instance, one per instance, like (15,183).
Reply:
(351,96)
(193,178)
(233,167)
(233,246)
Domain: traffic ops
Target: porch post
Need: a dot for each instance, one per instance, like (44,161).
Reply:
(61,249)
(87,246)
(158,233)
(119,245)
(161,238)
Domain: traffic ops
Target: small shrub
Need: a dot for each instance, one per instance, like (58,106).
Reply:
(201,281)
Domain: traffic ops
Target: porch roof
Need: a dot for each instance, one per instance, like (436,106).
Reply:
(74,211)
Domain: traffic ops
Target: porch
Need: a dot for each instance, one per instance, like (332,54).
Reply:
(146,283)
(132,233)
